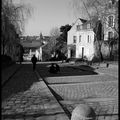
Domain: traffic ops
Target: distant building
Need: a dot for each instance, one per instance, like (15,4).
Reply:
(33,45)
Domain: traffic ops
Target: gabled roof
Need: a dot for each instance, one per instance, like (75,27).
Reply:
(92,22)
(34,41)
(31,44)
(82,20)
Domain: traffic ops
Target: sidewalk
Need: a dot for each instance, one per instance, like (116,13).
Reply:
(35,103)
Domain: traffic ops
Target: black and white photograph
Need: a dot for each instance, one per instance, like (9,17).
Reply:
(59,59)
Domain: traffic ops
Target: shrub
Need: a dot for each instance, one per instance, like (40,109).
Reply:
(95,59)
(6,61)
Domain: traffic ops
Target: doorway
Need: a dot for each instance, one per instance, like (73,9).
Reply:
(82,52)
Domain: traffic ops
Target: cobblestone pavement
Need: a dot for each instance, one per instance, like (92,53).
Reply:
(97,90)
(80,79)
(112,71)
(86,90)
(103,97)
(24,97)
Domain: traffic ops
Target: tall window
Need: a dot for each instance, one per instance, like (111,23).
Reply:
(88,38)
(80,38)
(110,21)
(110,4)
(110,35)
(74,39)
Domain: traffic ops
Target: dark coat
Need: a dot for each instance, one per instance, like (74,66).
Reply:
(34,60)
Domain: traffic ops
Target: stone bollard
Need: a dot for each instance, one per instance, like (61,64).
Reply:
(83,112)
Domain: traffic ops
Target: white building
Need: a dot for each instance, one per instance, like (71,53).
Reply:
(81,40)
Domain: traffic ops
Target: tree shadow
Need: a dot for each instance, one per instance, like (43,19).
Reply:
(19,82)
(66,70)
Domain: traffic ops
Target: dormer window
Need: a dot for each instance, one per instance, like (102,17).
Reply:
(88,26)
(110,21)
(78,27)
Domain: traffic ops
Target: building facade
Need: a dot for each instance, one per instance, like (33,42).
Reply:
(110,20)
(81,38)
(33,45)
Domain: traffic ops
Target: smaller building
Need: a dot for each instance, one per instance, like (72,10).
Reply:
(33,47)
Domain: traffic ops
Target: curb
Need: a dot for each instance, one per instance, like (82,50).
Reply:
(42,80)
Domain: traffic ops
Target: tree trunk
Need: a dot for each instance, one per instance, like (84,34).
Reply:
(3,47)
(99,52)
(111,49)
(101,56)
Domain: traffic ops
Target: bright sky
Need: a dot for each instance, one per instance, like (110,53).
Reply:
(48,14)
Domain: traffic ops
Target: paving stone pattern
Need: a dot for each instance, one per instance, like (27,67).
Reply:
(99,91)
(88,90)
(80,79)
(88,93)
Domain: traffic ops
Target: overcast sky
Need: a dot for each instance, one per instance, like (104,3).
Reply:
(48,14)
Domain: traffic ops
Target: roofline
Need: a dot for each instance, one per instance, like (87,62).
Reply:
(82,20)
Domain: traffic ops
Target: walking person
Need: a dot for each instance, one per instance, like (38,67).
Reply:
(34,61)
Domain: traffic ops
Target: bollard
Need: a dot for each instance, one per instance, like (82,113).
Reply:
(83,112)
(107,65)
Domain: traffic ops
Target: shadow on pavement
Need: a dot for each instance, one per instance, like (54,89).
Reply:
(20,82)
(66,70)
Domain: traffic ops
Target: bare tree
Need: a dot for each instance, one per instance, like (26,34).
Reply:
(16,14)
(54,34)
(79,8)
(14,17)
